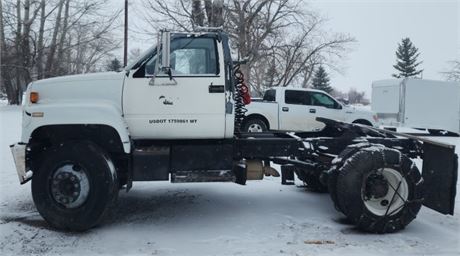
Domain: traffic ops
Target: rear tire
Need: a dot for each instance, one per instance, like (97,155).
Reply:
(338,163)
(75,186)
(366,186)
(255,125)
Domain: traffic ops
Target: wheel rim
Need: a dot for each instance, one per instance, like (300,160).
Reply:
(70,185)
(255,128)
(385,192)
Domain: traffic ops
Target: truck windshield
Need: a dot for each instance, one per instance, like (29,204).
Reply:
(190,56)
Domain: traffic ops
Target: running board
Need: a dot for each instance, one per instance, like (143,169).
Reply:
(203,176)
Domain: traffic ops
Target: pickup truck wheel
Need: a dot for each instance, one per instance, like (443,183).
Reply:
(363,122)
(379,189)
(255,125)
(75,186)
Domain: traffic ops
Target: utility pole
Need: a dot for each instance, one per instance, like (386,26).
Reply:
(125,52)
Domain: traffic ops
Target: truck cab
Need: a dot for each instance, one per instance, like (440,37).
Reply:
(191,102)
(289,108)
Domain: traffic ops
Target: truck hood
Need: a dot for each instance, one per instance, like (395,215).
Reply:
(105,86)
(82,78)
(355,113)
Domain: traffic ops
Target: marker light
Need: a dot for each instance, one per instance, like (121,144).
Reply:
(33,97)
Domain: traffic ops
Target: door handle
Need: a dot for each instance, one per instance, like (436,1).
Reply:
(312,110)
(285,109)
(216,88)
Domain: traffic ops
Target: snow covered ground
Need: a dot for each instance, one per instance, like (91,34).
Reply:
(159,218)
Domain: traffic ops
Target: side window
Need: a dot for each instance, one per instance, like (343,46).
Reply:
(190,56)
(323,100)
(296,97)
(150,65)
(270,95)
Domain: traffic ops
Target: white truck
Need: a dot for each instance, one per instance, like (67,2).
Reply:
(296,109)
(175,113)
(418,103)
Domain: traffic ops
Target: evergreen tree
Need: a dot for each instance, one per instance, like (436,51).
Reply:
(321,80)
(113,65)
(406,59)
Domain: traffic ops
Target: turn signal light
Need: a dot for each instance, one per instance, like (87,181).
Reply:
(33,97)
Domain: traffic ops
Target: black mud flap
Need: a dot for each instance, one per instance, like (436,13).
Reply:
(439,172)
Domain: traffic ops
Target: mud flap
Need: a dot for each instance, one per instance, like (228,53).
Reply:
(439,172)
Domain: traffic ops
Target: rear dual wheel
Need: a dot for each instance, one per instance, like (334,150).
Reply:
(378,189)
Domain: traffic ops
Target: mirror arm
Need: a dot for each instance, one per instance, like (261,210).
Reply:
(157,61)
(169,72)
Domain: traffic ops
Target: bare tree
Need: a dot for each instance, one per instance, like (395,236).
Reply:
(280,40)
(53,45)
(134,53)
(197,13)
(40,43)
(185,15)
(45,38)
(297,58)
(355,97)
(454,73)
(2,47)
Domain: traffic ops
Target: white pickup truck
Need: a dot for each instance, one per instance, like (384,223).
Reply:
(287,108)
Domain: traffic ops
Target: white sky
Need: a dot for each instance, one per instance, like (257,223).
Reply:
(377,25)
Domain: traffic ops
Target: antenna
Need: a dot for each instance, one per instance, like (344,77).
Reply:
(125,50)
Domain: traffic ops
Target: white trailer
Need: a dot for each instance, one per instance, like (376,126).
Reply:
(417,103)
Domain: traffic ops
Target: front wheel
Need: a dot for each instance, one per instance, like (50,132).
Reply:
(379,189)
(75,186)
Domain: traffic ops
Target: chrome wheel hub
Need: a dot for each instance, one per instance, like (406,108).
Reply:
(255,128)
(70,186)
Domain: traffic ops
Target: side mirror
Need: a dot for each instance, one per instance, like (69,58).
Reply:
(165,50)
(163,61)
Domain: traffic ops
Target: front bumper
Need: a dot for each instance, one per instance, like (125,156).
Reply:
(19,154)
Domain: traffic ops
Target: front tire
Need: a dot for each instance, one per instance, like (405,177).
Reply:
(379,189)
(75,186)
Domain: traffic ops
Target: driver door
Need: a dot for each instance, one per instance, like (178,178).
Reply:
(191,105)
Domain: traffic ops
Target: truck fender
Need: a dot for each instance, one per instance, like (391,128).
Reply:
(258,116)
(98,113)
